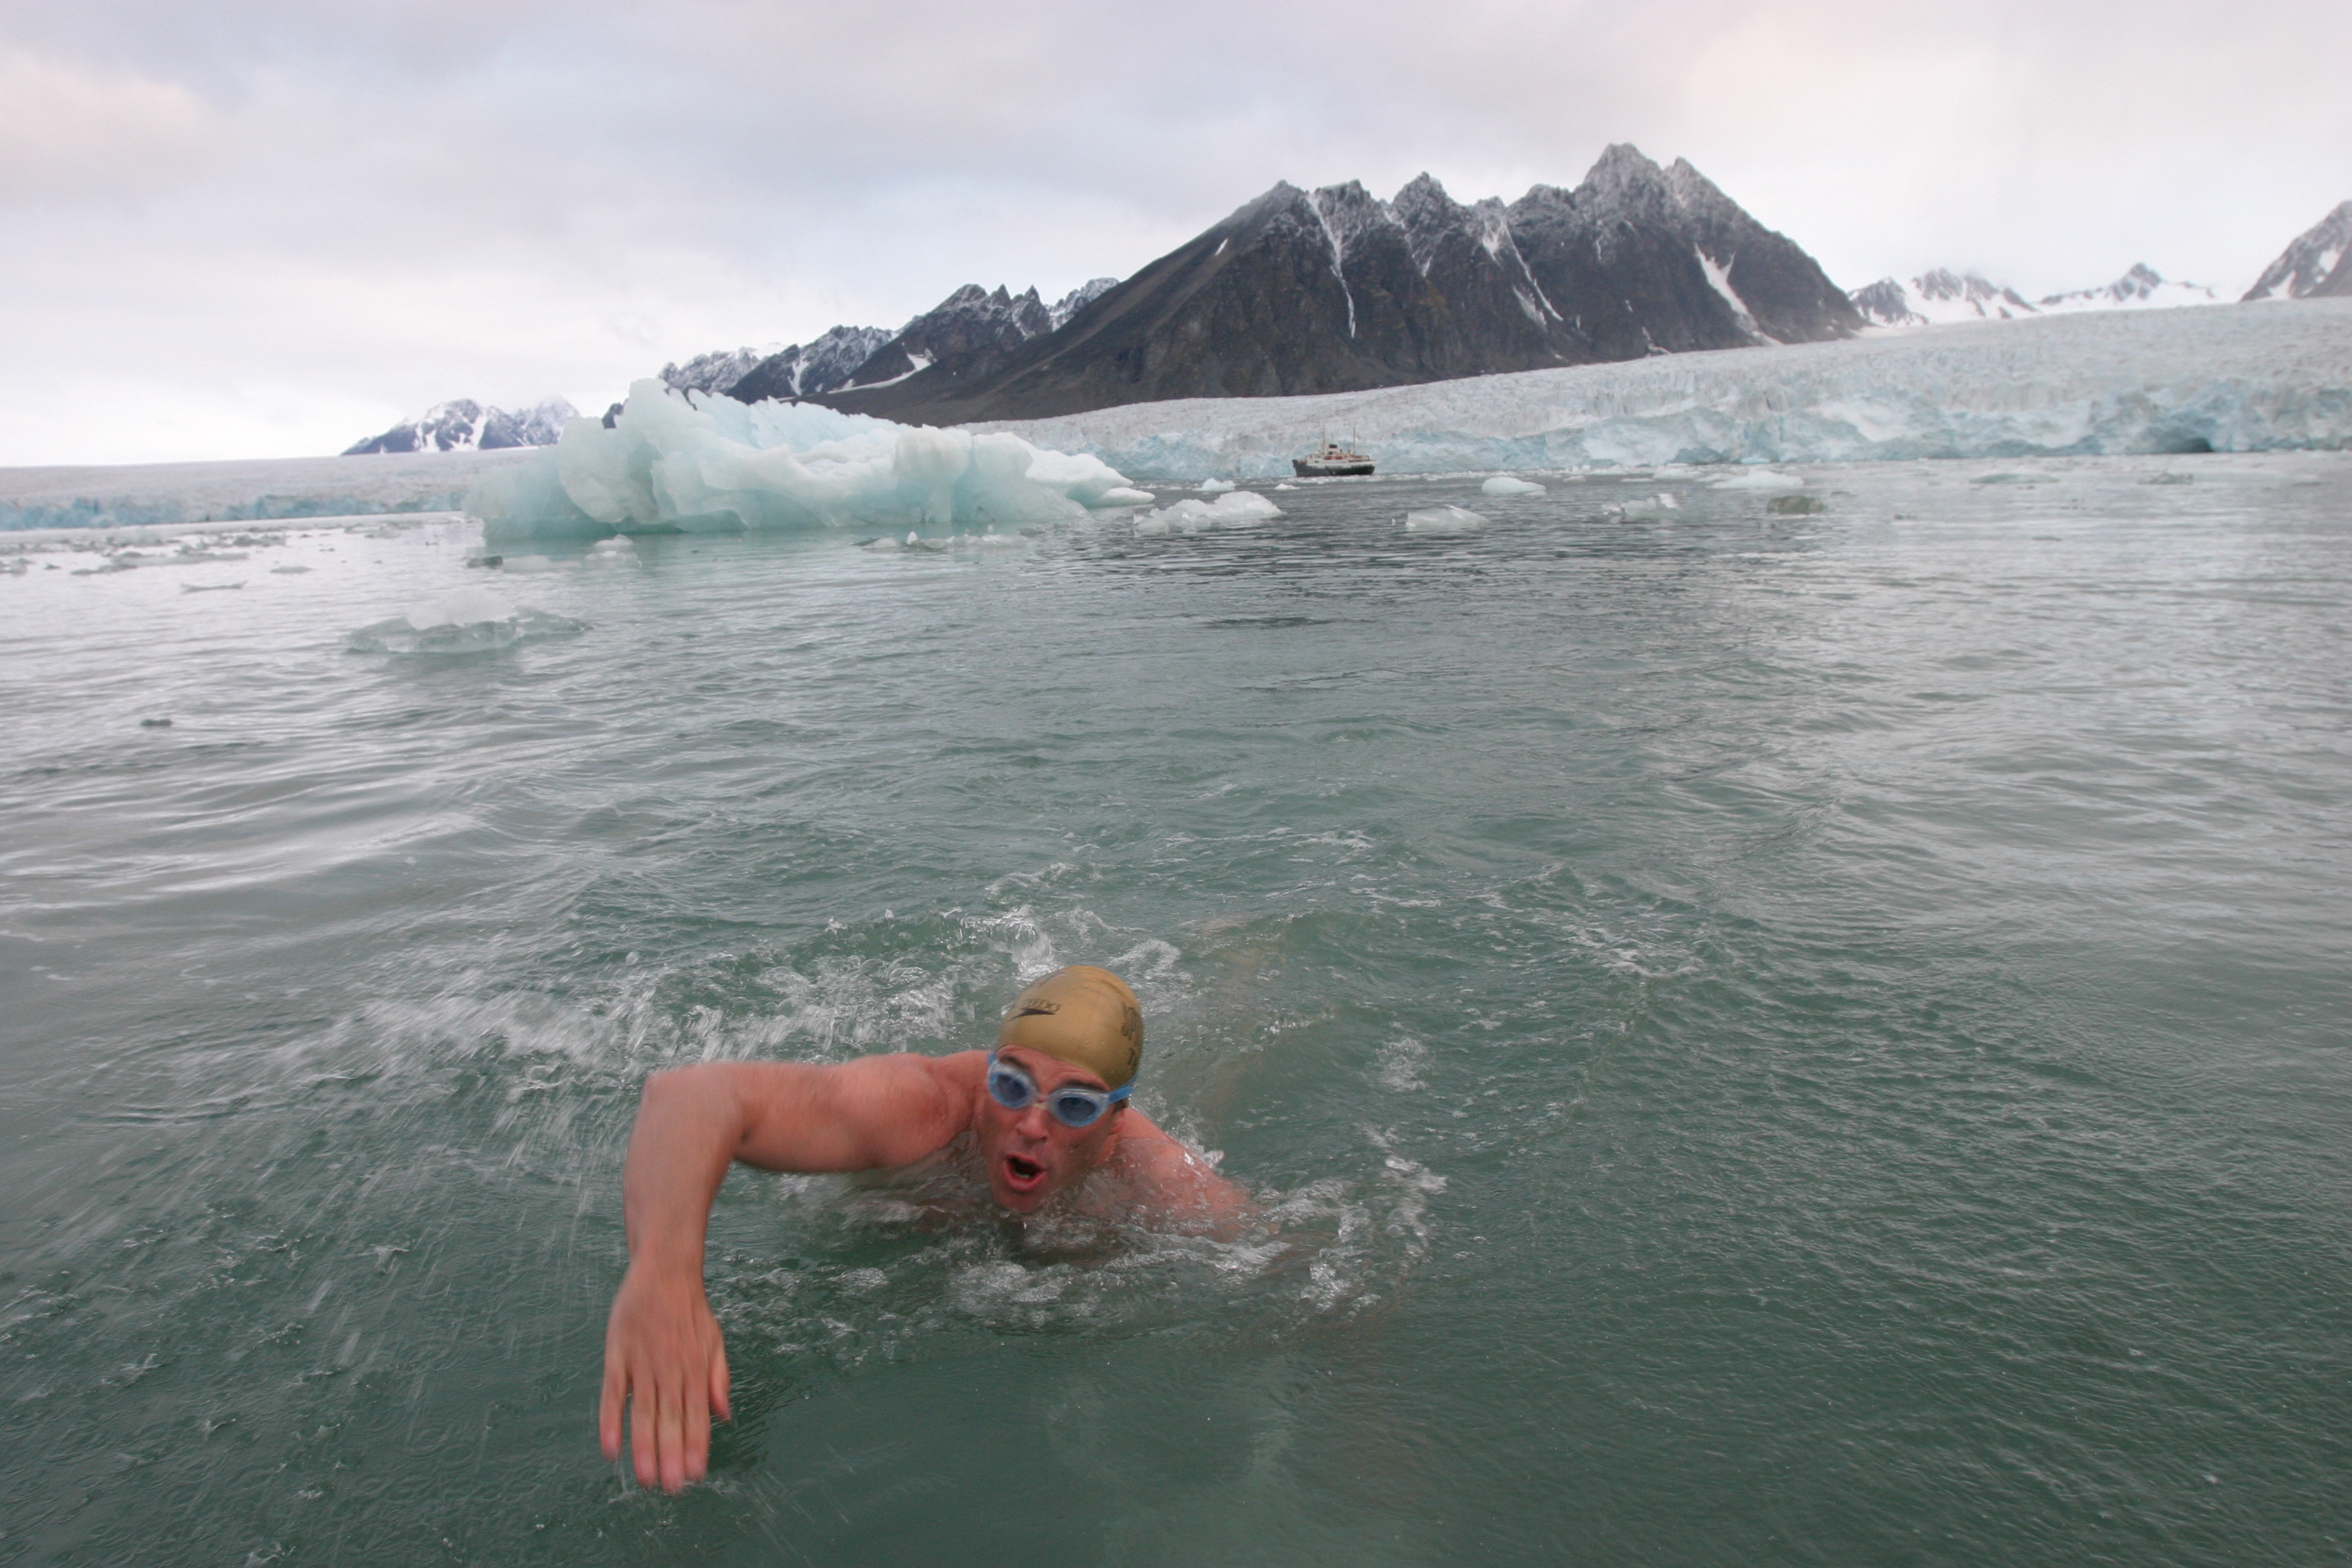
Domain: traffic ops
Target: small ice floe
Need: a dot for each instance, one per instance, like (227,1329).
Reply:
(1285,485)
(1504,485)
(1760,479)
(1663,504)
(1238,509)
(1443,520)
(1125,495)
(618,551)
(297,571)
(1215,487)
(471,619)
(210,587)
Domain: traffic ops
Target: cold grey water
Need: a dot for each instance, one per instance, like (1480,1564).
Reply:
(1761,1037)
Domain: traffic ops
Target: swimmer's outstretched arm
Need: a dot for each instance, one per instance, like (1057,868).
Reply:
(664,1358)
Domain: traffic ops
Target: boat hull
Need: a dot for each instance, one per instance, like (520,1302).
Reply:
(1314,468)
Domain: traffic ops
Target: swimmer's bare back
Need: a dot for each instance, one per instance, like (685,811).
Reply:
(665,1359)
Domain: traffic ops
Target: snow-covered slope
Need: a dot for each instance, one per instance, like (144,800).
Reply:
(2232,378)
(463,425)
(798,370)
(2314,266)
(1941,297)
(1077,299)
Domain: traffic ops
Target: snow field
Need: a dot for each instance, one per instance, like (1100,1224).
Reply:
(2228,378)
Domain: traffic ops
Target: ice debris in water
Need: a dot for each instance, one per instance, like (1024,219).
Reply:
(1443,520)
(1760,479)
(1663,504)
(1215,487)
(471,619)
(672,461)
(1234,508)
(1504,485)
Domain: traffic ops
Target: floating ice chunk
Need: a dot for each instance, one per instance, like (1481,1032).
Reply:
(1215,487)
(1663,504)
(1760,479)
(672,462)
(1236,508)
(1504,485)
(1124,495)
(1285,485)
(1443,520)
(460,608)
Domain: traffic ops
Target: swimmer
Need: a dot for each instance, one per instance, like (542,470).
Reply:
(1045,1112)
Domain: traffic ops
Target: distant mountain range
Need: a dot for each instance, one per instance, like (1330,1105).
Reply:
(466,425)
(1940,296)
(2313,267)
(1334,289)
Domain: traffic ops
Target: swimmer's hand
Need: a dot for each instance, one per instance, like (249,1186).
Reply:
(665,1360)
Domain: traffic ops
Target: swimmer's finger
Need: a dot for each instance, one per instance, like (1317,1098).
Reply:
(609,1407)
(697,1456)
(642,1423)
(720,1381)
(669,1420)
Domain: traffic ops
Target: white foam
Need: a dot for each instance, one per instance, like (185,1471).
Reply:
(467,606)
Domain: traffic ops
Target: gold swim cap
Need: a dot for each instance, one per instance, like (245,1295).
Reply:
(1082,1016)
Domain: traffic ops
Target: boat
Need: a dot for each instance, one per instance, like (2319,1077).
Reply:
(1329,460)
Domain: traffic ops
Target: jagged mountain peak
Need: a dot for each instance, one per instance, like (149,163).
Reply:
(2317,265)
(1333,288)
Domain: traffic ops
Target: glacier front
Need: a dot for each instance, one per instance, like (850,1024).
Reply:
(672,461)
(2225,378)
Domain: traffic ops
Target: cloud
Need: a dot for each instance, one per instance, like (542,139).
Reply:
(387,205)
(73,133)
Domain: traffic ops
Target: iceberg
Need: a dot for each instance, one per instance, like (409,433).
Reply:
(2223,378)
(1504,485)
(676,462)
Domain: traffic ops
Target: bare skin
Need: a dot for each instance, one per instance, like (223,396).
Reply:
(665,1360)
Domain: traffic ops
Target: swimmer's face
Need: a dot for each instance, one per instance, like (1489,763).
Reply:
(1031,1154)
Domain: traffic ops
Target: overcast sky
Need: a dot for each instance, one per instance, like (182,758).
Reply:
(269,228)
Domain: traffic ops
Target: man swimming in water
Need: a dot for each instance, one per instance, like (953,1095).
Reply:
(1043,1113)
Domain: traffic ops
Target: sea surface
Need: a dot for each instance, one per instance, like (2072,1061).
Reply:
(1759,1037)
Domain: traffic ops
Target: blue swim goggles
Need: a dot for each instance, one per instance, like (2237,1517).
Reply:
(1072,1105)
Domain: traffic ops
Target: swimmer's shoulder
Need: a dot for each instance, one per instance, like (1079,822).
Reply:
(1163,1171)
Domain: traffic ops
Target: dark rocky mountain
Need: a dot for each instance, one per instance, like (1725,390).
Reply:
(1334,289)
(2317,266)
(803,370)
(463,425)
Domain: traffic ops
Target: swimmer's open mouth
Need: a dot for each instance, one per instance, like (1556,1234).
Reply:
(1022,1174)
